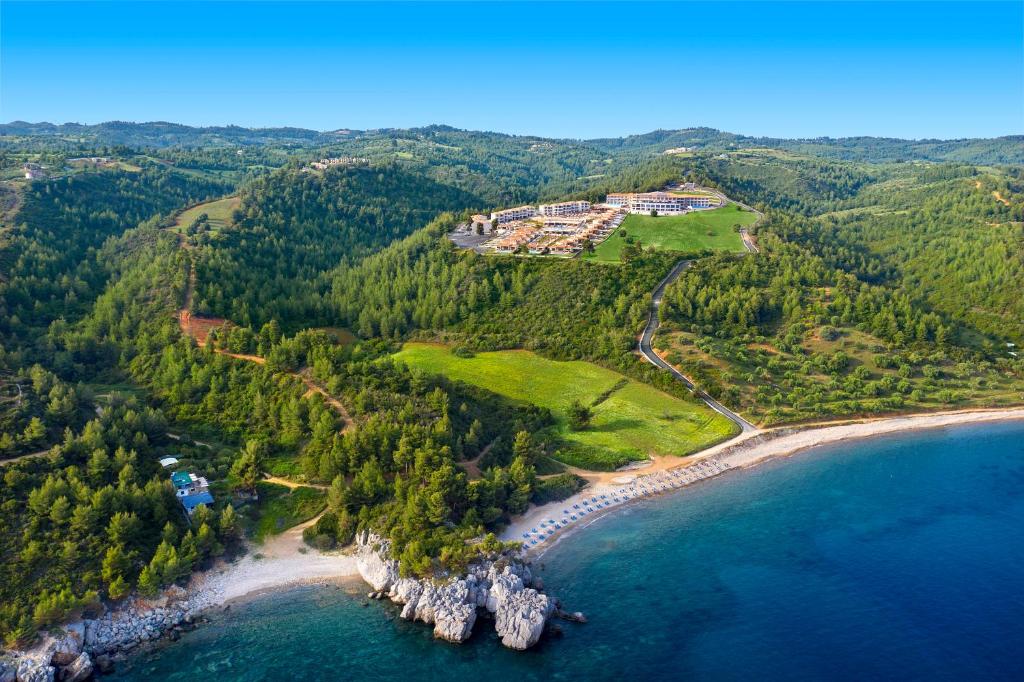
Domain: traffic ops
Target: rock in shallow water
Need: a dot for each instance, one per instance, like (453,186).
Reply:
(451,606)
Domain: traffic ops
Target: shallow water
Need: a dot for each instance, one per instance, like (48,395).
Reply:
(894,558)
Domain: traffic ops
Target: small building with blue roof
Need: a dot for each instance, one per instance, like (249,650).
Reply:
(190,502)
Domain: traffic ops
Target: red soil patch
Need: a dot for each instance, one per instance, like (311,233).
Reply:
(198,327)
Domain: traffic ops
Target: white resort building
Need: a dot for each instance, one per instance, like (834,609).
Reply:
(511,214)
(563,208)
(662,202)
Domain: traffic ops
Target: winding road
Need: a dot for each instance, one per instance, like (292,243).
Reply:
(653,323)
(648,351)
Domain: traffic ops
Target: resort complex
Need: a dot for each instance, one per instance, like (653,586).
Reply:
(560,234)
(568,228)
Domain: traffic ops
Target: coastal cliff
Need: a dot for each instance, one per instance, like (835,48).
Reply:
(499,587)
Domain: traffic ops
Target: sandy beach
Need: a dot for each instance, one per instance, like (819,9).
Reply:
(540,526)
(285,560)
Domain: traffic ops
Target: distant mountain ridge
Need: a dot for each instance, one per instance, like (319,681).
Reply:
(160,134)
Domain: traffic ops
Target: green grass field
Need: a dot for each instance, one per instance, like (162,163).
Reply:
(688,233)
(219,213)
(637,420)
(281,508)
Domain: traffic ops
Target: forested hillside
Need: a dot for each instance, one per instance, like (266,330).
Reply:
(878,288)
(881,288)
(293,226)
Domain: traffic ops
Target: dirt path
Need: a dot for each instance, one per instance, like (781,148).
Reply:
(644,467)
(995,194)
(306,377)
(199,329)
(472,466)
(292,485)
(29,455)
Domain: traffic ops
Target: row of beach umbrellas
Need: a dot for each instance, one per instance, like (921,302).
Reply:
(643,487)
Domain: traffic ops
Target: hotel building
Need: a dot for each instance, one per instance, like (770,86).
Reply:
(563,208)
(662,202)
(511,214)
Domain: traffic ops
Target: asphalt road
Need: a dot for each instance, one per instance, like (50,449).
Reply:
(648,352)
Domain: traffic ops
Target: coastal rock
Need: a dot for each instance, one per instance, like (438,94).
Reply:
(103,664)
(32,670)
(374,563)
(79,670)
(407,591)
(453,613)
(8,671)
(520,618)
(499,586)
(66,648)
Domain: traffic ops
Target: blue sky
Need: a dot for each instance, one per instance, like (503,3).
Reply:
(796,69)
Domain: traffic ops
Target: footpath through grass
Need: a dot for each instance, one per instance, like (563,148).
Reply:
(634,421)
(696,231)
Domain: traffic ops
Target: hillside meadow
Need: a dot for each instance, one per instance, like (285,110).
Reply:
(217,212)
(688,233)
(634,420)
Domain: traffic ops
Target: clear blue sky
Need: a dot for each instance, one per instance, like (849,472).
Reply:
(797,69)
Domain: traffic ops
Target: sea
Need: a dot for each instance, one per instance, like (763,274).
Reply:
(892,558)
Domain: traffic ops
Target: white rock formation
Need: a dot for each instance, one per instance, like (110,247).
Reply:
(451,605)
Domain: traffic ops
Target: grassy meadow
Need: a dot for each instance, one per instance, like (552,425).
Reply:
(634,421)
(691,232)
(281,508)
(218,212)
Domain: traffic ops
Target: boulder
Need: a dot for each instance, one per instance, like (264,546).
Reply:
(503,586)
(79,670)
(454,622)
(68,646)
(104,664)
(520,618)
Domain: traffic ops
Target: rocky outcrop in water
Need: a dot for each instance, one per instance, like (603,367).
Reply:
(499,587)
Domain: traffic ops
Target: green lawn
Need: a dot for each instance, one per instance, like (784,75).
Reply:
(635,421)
(280,508)
(219,213)
(694,231)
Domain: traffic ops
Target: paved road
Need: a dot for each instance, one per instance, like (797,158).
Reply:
(748,241)
(648,352)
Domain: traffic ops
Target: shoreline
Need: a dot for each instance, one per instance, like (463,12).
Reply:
(541,527)
(284,561)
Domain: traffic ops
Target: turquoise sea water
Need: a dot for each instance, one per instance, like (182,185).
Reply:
(892,558)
